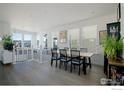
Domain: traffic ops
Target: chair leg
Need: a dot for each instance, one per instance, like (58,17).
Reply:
(65,66)
(71,68)
(74,66)
(56,63)
(60,64)
(90,62)
(84,67)
(79,70)
(51,62)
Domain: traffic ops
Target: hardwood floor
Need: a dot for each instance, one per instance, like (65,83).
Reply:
(34,73)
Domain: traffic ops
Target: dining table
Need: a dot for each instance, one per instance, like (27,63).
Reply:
(84,56)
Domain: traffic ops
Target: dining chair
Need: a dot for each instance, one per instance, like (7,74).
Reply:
(73,48)
(54,56)
(66,48)
(83,49)
(64,58)
(76,60)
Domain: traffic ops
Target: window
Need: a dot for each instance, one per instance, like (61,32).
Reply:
(27,40)
(17,39)
(89,32)
(38,41)
(89,37)
(74,37)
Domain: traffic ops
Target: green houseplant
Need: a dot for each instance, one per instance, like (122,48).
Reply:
(7,43)
(112,47)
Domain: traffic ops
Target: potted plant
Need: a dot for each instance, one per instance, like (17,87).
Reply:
(7,43)
(8,49)
(113,48)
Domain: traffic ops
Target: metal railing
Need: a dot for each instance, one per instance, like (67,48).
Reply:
(27,55)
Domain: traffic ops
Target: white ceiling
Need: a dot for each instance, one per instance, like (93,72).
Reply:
(38,17)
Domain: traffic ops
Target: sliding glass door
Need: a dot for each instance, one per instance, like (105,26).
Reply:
(27,40)
(17,39)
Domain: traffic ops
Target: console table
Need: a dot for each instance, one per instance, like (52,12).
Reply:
(117,63)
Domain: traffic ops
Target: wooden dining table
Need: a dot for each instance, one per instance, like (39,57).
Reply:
(85,56)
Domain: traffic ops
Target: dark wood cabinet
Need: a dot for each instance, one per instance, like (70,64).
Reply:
(118,65)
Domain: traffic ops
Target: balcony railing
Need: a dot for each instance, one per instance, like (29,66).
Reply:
(27,55)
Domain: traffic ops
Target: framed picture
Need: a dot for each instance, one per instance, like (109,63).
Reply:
(63,36)
(113,29)
(102,36)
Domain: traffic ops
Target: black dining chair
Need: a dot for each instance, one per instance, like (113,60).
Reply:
(64,58)
(73,48)
(83,49)
(54,56)
(76,60)
(67,49)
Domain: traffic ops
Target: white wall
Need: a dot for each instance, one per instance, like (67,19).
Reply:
(122,19)
(4,28)
(99,21)
(101,25)
(122,22)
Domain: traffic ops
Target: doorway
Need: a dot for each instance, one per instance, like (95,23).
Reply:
(55,42)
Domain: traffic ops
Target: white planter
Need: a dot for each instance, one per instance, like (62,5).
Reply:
(0,55)
(7,57)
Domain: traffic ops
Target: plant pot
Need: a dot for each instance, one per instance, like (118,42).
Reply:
(7,57)
(0,55)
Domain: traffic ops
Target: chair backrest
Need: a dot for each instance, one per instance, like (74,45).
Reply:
(54,53)
(73,48)
(66,48)
(83,49)
(63,53)
(75,54)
